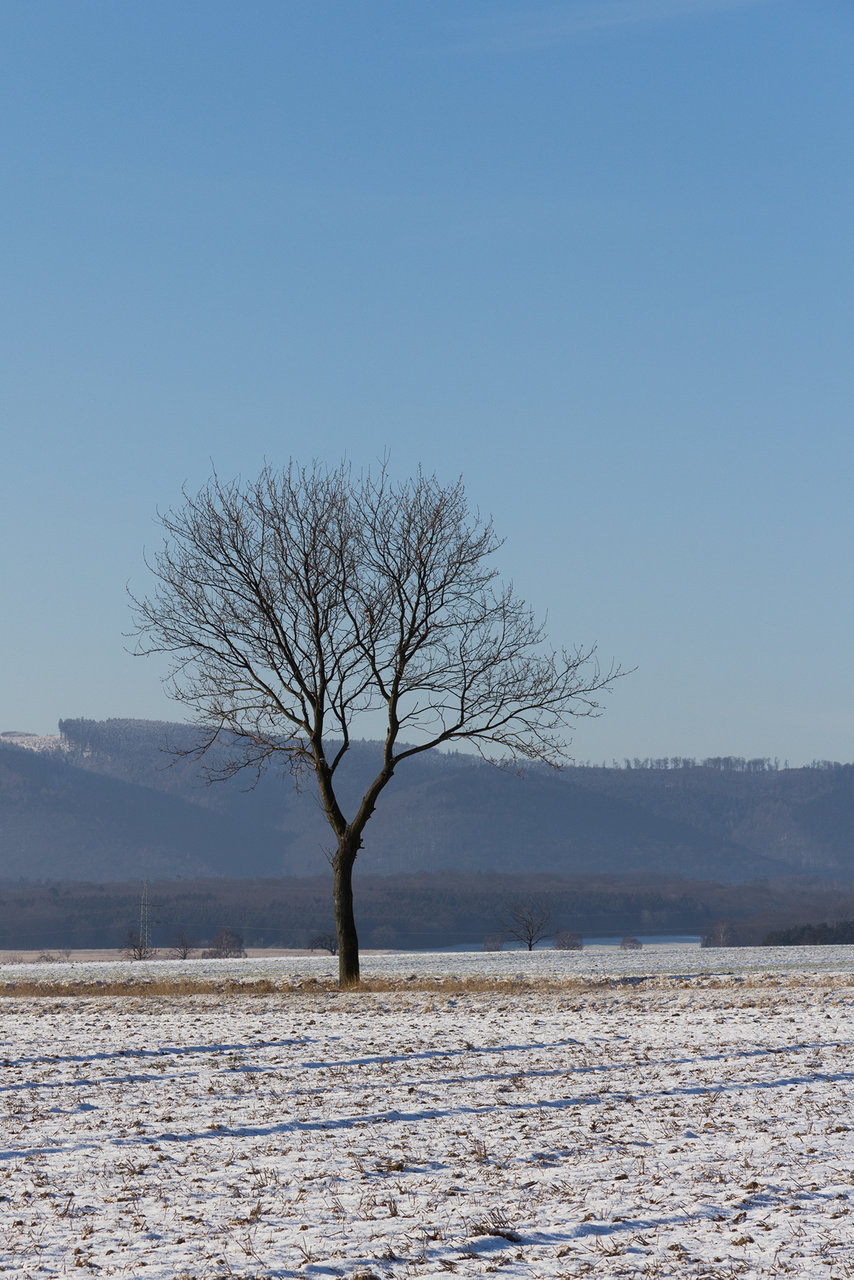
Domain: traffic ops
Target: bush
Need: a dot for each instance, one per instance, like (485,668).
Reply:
(567,940)
(226,945)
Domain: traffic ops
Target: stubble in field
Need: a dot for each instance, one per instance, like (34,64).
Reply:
(553,1133)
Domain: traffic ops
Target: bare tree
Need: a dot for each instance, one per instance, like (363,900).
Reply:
(718,935)
(184,945)
(568,940)
(528,922)
(296,604)
(324,942)
(136,947)
(227,944)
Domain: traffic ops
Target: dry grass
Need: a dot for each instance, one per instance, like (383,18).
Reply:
(140,987)
(174,987)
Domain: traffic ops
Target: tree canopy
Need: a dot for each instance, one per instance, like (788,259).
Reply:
(296,605)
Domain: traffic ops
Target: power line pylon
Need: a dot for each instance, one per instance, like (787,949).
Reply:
(144,922)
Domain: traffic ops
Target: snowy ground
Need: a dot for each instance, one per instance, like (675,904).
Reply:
(665,961)
(32,741)
(685,1124)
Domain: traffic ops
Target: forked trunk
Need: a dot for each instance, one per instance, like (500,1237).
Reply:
(345,921)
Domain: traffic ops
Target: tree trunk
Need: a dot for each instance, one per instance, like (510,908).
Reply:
(345,921)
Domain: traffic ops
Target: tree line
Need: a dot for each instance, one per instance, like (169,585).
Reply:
(721,764)
(812,935)
(423,910)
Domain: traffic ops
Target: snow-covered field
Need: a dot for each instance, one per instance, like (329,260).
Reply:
(664,961)
(662,1113)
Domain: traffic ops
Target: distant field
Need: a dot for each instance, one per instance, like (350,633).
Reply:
(663,1113)
(293,968)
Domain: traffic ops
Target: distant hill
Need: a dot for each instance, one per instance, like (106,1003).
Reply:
(106,802)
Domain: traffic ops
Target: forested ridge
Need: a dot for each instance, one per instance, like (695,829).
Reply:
(112,803)
(646,847)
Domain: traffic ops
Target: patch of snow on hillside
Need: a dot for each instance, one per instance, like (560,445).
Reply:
(32,741)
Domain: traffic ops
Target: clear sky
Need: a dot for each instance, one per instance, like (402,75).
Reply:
(594,255)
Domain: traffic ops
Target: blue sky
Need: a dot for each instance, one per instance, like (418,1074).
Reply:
(595,256)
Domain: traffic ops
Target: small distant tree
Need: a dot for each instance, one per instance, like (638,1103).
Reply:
(567,940)
(493,942)
(184,946)
(528,922)
(630,944)
(719,935)
(324,942)
(226,945)
(136,948)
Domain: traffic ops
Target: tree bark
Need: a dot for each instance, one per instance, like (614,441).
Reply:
(345,921)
